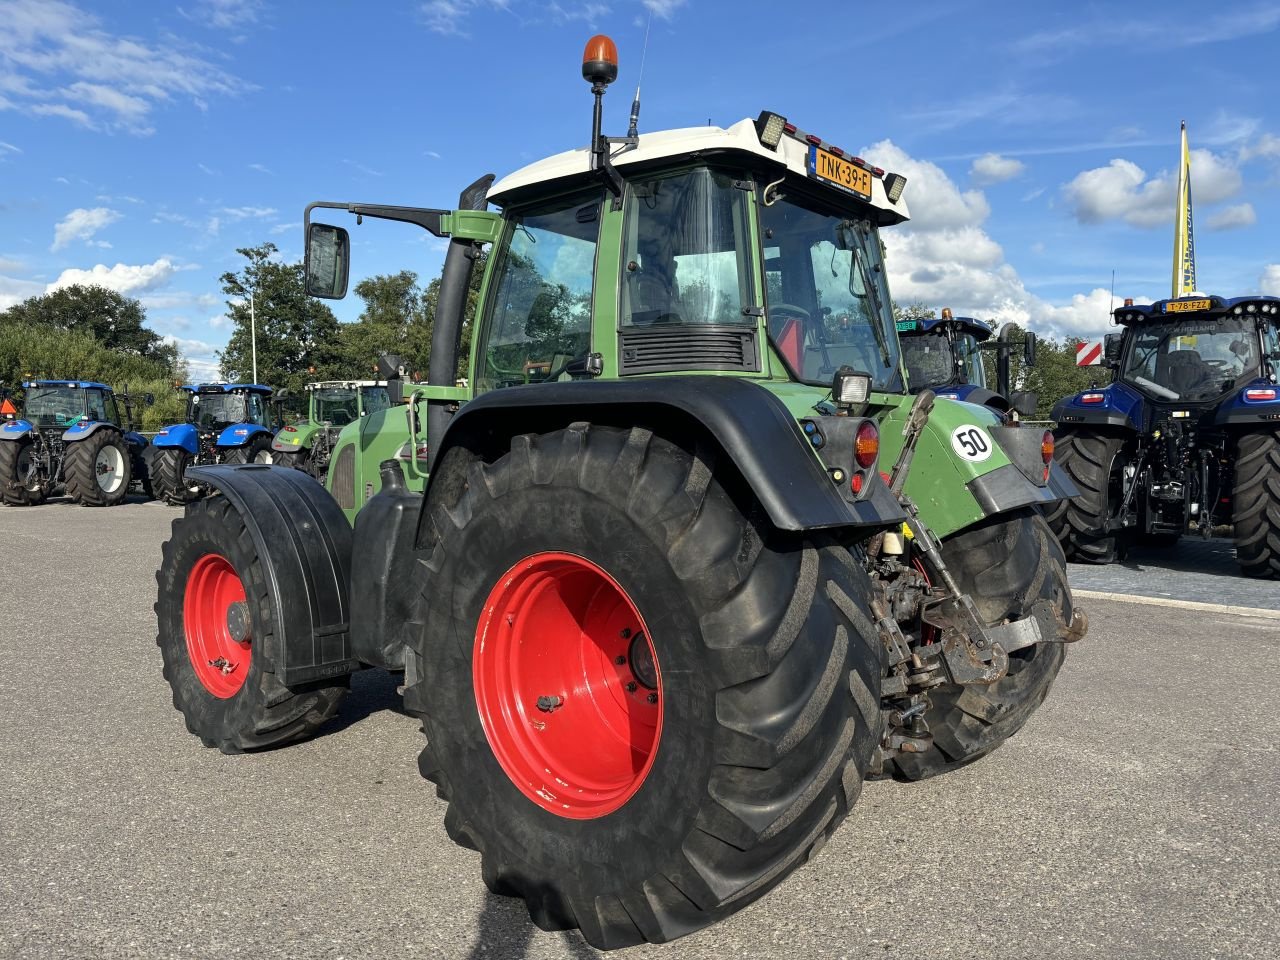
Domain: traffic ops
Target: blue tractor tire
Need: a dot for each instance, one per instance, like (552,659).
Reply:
(1095,461)
(168,475)
(15,488)
(257,450)
(1256,505)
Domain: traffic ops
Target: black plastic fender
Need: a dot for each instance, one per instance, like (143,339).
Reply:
(751,425)
(304,542)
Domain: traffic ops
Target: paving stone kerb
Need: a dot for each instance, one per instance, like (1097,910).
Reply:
(1203,571)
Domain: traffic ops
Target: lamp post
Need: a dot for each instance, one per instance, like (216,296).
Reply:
(253,337)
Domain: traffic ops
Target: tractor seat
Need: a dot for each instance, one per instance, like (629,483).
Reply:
(1181,370)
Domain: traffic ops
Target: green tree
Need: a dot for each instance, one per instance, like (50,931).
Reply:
(916,310)
(420,331)
(297,335)
(393,306)
(1055,374)
(106,316)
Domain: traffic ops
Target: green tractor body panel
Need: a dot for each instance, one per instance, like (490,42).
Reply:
(354,469)
(296,436)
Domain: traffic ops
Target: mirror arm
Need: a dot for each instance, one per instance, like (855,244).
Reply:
(425,217)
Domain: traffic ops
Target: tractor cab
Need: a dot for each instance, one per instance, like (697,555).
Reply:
(337,403)
(333,405)
(212,407)
(54,404)
(943,355)
(1197,350)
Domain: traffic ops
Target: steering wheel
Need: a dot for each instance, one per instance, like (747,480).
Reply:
(800,313)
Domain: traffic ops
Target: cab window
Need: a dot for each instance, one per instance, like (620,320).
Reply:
(687,250)
(540,317)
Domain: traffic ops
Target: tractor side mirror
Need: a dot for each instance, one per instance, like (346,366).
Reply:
(390,366)
(1111,345)
(282,394)
(1029,349)
(1025,402)
(328,261)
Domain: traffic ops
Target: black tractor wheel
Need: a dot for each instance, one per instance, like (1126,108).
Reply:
(169,476)
(19,485)
(257,450)
(1006,564)
(216,625)
(98,469)
(644,705)
(1255,504)
(297,459)
(1096,462)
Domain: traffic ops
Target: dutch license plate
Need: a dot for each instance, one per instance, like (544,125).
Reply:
(1186,306)
(839,172)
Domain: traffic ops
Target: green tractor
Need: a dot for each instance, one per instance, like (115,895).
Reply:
(658,607)
(308,444)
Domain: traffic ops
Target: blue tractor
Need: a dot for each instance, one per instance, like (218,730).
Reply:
(1187,438)
(945,355)
(71,438)
(225,423)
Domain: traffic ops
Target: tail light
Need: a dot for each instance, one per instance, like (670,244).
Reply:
(1046,447)
(866,445)
(1093,398)
(1257,394)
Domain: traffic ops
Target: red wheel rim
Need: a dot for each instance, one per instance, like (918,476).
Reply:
(216,621)
(569,703)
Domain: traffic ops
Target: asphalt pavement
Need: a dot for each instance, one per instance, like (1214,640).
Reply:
(1135,816)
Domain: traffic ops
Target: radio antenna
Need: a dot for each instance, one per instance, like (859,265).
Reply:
(632,130)
(1111,314)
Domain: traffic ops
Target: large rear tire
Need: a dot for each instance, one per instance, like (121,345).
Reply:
(1255,505)
(169,476)
(216,626)
(98,469)
(1095,461)
(298,459)
(646,791)
(1006,564)
(18,485)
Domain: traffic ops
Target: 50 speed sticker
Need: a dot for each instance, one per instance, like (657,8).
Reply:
(971,443)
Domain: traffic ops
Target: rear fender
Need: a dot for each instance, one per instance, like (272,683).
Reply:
(136,441)
(751,425)
(304,543)
(83,429)
(16,429)
(1261,412)
(295,437)
(238,434)
(181,435)
(1119,408)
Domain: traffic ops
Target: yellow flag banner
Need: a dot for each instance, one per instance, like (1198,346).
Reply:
(1184,248)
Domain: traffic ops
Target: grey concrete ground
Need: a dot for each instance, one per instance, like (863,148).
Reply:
(1134,817)
(1202,571)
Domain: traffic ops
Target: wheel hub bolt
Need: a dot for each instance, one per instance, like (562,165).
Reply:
(619,660)
(652,698)
(238,621)
(547,704)
(631,686)
(625,633)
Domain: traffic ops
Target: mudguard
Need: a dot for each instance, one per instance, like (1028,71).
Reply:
(16,429)
(972,393)
(751,425)
(304,542)
(182,435)
(1120,407)
(294,436)
(1261,410)
(82,429)
(238,434)
(136,441)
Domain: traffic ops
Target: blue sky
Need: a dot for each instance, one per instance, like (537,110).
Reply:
(141,143)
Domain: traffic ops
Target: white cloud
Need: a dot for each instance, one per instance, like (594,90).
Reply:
(61,62)
(1269,282)
(123,277)
(13,290)
(248,213)
(1122,191)
(1266,147)
(280,228)
(81,224)
(1229,218)
(936,203)
(224,14)
(8,148)
(261,168)
(946,259)
(663,8)
(219,320)
(992,168)
(201,357)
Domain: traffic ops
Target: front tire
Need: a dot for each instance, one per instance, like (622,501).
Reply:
(297,460)
(257,450)
(216,630)
(766,672)
(169,476)
(1255,505)
(1095,461)
(19,484)
(1006,564)
(98,469)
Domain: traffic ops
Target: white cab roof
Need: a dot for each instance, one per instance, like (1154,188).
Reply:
(791,153)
